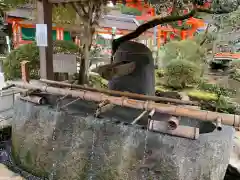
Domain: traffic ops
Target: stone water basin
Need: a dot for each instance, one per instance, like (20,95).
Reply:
(72,144)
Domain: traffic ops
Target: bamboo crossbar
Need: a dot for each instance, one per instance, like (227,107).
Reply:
(119,93)
(226,119)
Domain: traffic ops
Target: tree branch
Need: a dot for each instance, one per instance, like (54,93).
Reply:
(174,7)
(75,7)
(205,35)
(144,27)
(82,8)
(157,21)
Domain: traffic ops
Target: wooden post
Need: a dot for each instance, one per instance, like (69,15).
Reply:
(44,16)
(25,71)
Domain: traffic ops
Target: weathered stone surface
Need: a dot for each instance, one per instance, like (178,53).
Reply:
(74,145)
(142,80)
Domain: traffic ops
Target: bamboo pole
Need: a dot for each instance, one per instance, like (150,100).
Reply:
(227,119)
(180,131)
(119,93)
(34,99)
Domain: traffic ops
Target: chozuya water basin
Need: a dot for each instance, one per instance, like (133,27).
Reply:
(71,144)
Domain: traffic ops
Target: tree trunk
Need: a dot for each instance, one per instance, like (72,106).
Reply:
(84,64)
(81,76)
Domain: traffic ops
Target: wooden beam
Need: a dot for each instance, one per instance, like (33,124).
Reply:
(44,16)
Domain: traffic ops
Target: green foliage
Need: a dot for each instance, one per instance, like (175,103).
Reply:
(224,5)
(184,25)
(159,73)
(181,73)
(66,47)
(222,101)
(159,89)
(159,76)
(129,10)
(202,95)
(183,62)
(214,88)
(235,74)
(222,104)
(30,52)
(234,18)
(210,38)
(64,15)
(14,3)
(97,81)
(186,49)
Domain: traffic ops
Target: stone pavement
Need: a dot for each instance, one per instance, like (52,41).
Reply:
(6,174)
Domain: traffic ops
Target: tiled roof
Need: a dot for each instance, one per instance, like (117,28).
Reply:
(226,55)
(120,22)
(21,13)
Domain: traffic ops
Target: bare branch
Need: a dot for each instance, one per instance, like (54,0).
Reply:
(75,7)
(205,35)
(82,7)
(174,7)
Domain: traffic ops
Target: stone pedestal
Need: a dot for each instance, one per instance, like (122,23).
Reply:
(142,80)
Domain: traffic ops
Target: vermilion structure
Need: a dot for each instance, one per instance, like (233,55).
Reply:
(142,5)
(164,31)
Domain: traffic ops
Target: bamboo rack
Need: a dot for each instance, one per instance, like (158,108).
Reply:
(226,119)
(119,93)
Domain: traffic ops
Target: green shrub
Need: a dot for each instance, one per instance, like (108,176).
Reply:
(30,52)
(183,63)
(159,73)
(66,47)
(235,74)
(181,73)
(223,105)
(213,102)
(187,49)
(97,81)
(214,88)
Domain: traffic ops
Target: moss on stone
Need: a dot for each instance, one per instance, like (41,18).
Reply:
(28,158)
(25,163)
(108,173)
(161,89)
(202,95)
